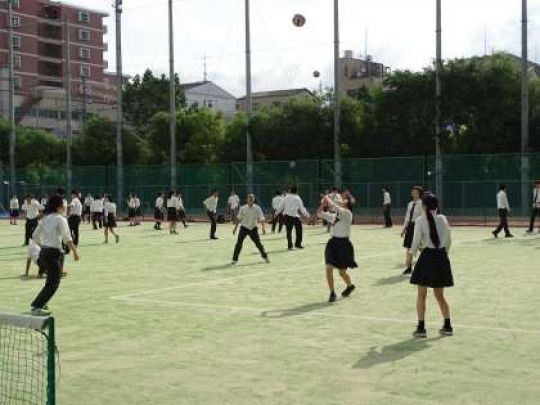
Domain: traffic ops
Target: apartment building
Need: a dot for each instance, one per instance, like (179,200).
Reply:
(358,72)
(42,30)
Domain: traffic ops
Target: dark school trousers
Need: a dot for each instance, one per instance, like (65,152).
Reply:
(29,228)
(213,223)
(97,219)
(290,223)
(254,235)
(74,222)
(387,216)
(503,222)
(277,219)
(535,213)
(51,262)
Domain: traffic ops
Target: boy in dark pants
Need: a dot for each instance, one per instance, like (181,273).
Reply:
(504,208)
(535,206)
(211,204)
(291,207)
(51,233)
(248,218)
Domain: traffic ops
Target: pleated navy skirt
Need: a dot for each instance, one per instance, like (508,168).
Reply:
(433,269)
(339,253)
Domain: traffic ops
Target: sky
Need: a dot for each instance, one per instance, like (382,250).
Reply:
(400,34)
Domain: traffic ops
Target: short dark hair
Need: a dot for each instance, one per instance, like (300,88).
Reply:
(61,191)
(74,192)
(293,189)
(214,190)
(55,201)
(502,187)
(420,190)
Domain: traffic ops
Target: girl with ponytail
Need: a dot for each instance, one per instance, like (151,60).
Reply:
(433,269)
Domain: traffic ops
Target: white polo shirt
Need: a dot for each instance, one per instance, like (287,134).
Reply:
(250,216)
(52,230)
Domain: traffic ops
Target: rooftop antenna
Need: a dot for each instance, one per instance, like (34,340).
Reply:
(366,43)
(205,70)
(485,42)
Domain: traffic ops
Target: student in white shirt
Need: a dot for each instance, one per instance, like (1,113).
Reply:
(109,210)
(51,233)
(32,256)
(173,205)
(504,209)
(433,269)
(277,218)
(233,204)
(132,207)
(75,214)
(138,210)
(535,205)
(414,211)
(158,211)
(387,204)
(43,202)
(249,216)
(32,209)
(14,210)
(96,208)
(339,252)
(87,214)
(211,204)
(181,209)
(292,207)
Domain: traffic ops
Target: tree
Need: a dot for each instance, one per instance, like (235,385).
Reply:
(145,96)
(97,145)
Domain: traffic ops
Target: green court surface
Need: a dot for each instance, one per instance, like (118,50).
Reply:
(162,319)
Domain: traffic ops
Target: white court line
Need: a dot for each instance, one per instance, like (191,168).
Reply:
(318,314)
(226,280)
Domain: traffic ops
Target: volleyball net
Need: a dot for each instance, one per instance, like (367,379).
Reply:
(27,360)
(469,181)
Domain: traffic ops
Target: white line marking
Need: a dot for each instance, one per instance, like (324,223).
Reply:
(316,314)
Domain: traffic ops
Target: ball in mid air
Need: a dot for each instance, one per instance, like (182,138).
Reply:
(299,20)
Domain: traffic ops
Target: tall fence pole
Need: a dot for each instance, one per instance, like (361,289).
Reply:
(172,100)
(525,164)
(438,120)
(69,108)
(11,104)
(337,99)
(119,114)
(249,103)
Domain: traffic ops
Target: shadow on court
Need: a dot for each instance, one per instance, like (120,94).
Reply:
(393,352)
(302,309)
(397,279)
(194,240)
(228,266)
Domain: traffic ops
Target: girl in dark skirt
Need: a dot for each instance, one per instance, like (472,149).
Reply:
(339,253)
(433,269)
(132,209)
(110,214)
(14,210)
(172,212)
(414,210)
(158,211)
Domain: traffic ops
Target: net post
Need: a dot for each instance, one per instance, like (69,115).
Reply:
(51,365)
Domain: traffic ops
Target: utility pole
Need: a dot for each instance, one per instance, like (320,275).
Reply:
(172,100)
(438,116)
(525,164)
(69,126)
(11,103)
(85,100)
(249,103)
(119,115)
(337,99)
(205,74)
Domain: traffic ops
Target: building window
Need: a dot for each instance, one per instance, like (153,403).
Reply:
(84,35)
(16,3)
(84,17)
(84,53)
(16,22)
(16,41)
(17,82)
(85,71)
(17,61)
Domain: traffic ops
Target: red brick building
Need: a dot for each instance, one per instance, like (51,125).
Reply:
(40,60)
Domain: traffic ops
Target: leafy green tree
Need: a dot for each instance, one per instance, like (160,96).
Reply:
(97,145)
(144,96)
